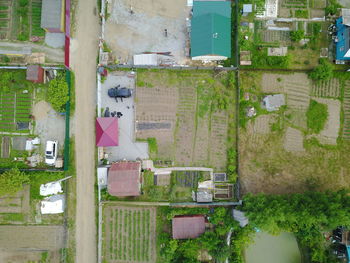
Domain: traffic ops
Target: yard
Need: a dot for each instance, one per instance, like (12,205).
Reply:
(191,115)
(303,146)
(26,114)
(139,26)
(129,234)
(257,36)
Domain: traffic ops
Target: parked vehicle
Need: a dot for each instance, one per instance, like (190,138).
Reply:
(51,152)
(118,92)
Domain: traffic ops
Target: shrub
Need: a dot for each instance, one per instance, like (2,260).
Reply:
(152,145)
(12,181)
(297,35)
(317,115)
(58,93)
(324,71)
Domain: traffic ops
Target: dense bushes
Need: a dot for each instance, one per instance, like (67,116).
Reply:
(58,93)
(322,72)
(12,181)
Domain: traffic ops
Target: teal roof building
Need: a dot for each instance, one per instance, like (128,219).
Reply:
(211,30)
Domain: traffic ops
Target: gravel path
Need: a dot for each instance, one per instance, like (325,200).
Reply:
(83,56)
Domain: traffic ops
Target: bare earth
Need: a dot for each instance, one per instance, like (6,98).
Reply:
(83,56)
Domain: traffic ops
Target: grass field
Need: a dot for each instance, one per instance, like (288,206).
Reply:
(278,154)
(129,234)
(196,109)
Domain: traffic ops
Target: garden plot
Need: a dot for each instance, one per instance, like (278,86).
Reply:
(5,18)
(177,109)
(273,83)
(327,89)
(130,234)
(346,110)
(36,29)
(297,88)
(156,116)
(15,110)
(19,203)
(330,132)
(275,36)
(293,140)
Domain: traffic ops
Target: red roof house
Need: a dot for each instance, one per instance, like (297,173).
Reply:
(188,226)
(35,74)
(124,179)
(107,131)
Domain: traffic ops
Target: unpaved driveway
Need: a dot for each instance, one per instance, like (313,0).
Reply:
(83,57)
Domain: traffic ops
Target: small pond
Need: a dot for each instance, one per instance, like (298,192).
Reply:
(273,249)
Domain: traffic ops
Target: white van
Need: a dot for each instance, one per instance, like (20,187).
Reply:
(51,152)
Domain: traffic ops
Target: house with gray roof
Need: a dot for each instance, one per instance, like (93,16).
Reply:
(52,16)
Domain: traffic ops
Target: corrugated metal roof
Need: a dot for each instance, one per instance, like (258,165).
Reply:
(188,226)
(343,36)
(51,14)
(222,8)
(211,35)
(124,179)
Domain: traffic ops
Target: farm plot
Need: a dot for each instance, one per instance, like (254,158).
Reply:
(180,110)
(36,29)
(293,141)
(130,234)
(327,89)
(346,110)
(297,88)
(15,111)
(5,18)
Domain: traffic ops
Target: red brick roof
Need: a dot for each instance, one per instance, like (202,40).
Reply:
(188,226)
(124,179)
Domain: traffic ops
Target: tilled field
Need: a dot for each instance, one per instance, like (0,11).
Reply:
(327,89)
(177,109)
(130,234)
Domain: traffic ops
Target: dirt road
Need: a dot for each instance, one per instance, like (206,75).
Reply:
(54,54)
(83,56)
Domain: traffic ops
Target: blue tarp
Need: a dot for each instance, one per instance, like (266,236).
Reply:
(343,44)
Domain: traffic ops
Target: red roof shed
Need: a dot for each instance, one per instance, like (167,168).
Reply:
(107,131)
(124,179)
(35,74)
(188,226)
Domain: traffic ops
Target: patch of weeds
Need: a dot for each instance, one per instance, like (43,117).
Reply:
(317,115)
(152,145)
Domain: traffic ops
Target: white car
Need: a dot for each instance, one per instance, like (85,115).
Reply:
(51,152)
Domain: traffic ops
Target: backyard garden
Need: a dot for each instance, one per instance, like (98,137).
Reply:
(25,114)
(190,115)
(20,19)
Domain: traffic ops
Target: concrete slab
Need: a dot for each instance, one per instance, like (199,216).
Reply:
(128,148)
(55,40)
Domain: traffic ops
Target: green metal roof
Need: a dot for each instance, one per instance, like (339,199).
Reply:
(211,29)
(212,7)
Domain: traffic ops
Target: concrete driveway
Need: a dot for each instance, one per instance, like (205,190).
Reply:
(128,149)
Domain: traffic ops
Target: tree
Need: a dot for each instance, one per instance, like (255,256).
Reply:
(12,181)
(58,93)
(324,71)
(297,35)
(332,7)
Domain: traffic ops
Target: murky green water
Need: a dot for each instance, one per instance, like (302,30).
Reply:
(273,249)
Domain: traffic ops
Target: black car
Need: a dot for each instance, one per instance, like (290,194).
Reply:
(119,93)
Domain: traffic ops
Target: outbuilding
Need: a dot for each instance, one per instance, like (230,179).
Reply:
(124,179)
(274,102)
(52,15)
(107,131)
(189,226)
(35,74)
(54,204)
(211,30)
(342,40)
(247,9)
